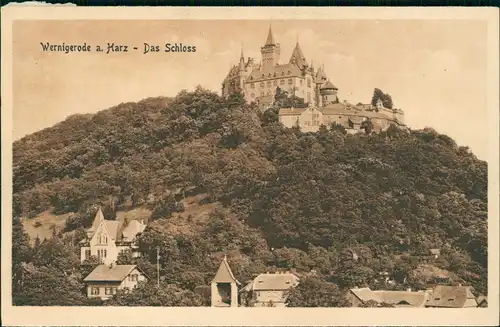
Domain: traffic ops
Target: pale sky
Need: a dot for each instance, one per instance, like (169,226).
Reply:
(434,70)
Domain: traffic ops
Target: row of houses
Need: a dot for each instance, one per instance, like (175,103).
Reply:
(105,239)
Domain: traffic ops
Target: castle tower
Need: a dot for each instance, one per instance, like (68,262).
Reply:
(224,287)
(328,93)
(270,52)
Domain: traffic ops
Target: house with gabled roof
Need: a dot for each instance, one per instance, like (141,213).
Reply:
(400,299)
(271,288)
(224,287)
(104,281)
(445,296)
(105,239)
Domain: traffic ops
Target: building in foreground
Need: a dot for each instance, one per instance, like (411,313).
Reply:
(105,280)
(444,296)
(404,299)
(441,296)
(270,289)
(224,287)
(105,239)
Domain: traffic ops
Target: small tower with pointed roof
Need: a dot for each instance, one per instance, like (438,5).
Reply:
(270,52)
(224,282)
(328,93)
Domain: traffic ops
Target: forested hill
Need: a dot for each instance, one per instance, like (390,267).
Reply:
(285,198)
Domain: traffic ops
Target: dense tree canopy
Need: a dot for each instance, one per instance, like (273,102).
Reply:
(342,205)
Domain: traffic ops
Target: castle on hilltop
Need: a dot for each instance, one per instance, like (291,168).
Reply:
(260,82)
(257,82)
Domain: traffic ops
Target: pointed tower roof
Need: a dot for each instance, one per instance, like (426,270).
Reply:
(298,56)
(224,274)
(99,216)
(98,219)
(270,38)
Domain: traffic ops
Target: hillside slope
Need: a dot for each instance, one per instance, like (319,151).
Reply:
(284,198)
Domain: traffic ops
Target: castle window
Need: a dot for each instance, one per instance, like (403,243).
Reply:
(282,73)
(290,81)
(252,85)
(262,84)
(308,82)
(261,93)
(269,83)
(87,254)
(95,291)
(269,74)
(282,82)
(133,277)
(275,82)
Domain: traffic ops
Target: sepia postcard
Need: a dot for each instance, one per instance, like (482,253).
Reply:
(250,166)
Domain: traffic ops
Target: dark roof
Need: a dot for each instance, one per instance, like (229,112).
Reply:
(107,273)
(450,296)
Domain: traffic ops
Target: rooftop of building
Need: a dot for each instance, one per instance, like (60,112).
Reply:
(120,231)
(110,273)
(450,296)
(280,281)
(396,298)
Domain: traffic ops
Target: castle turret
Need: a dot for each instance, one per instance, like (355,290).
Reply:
(328,93)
